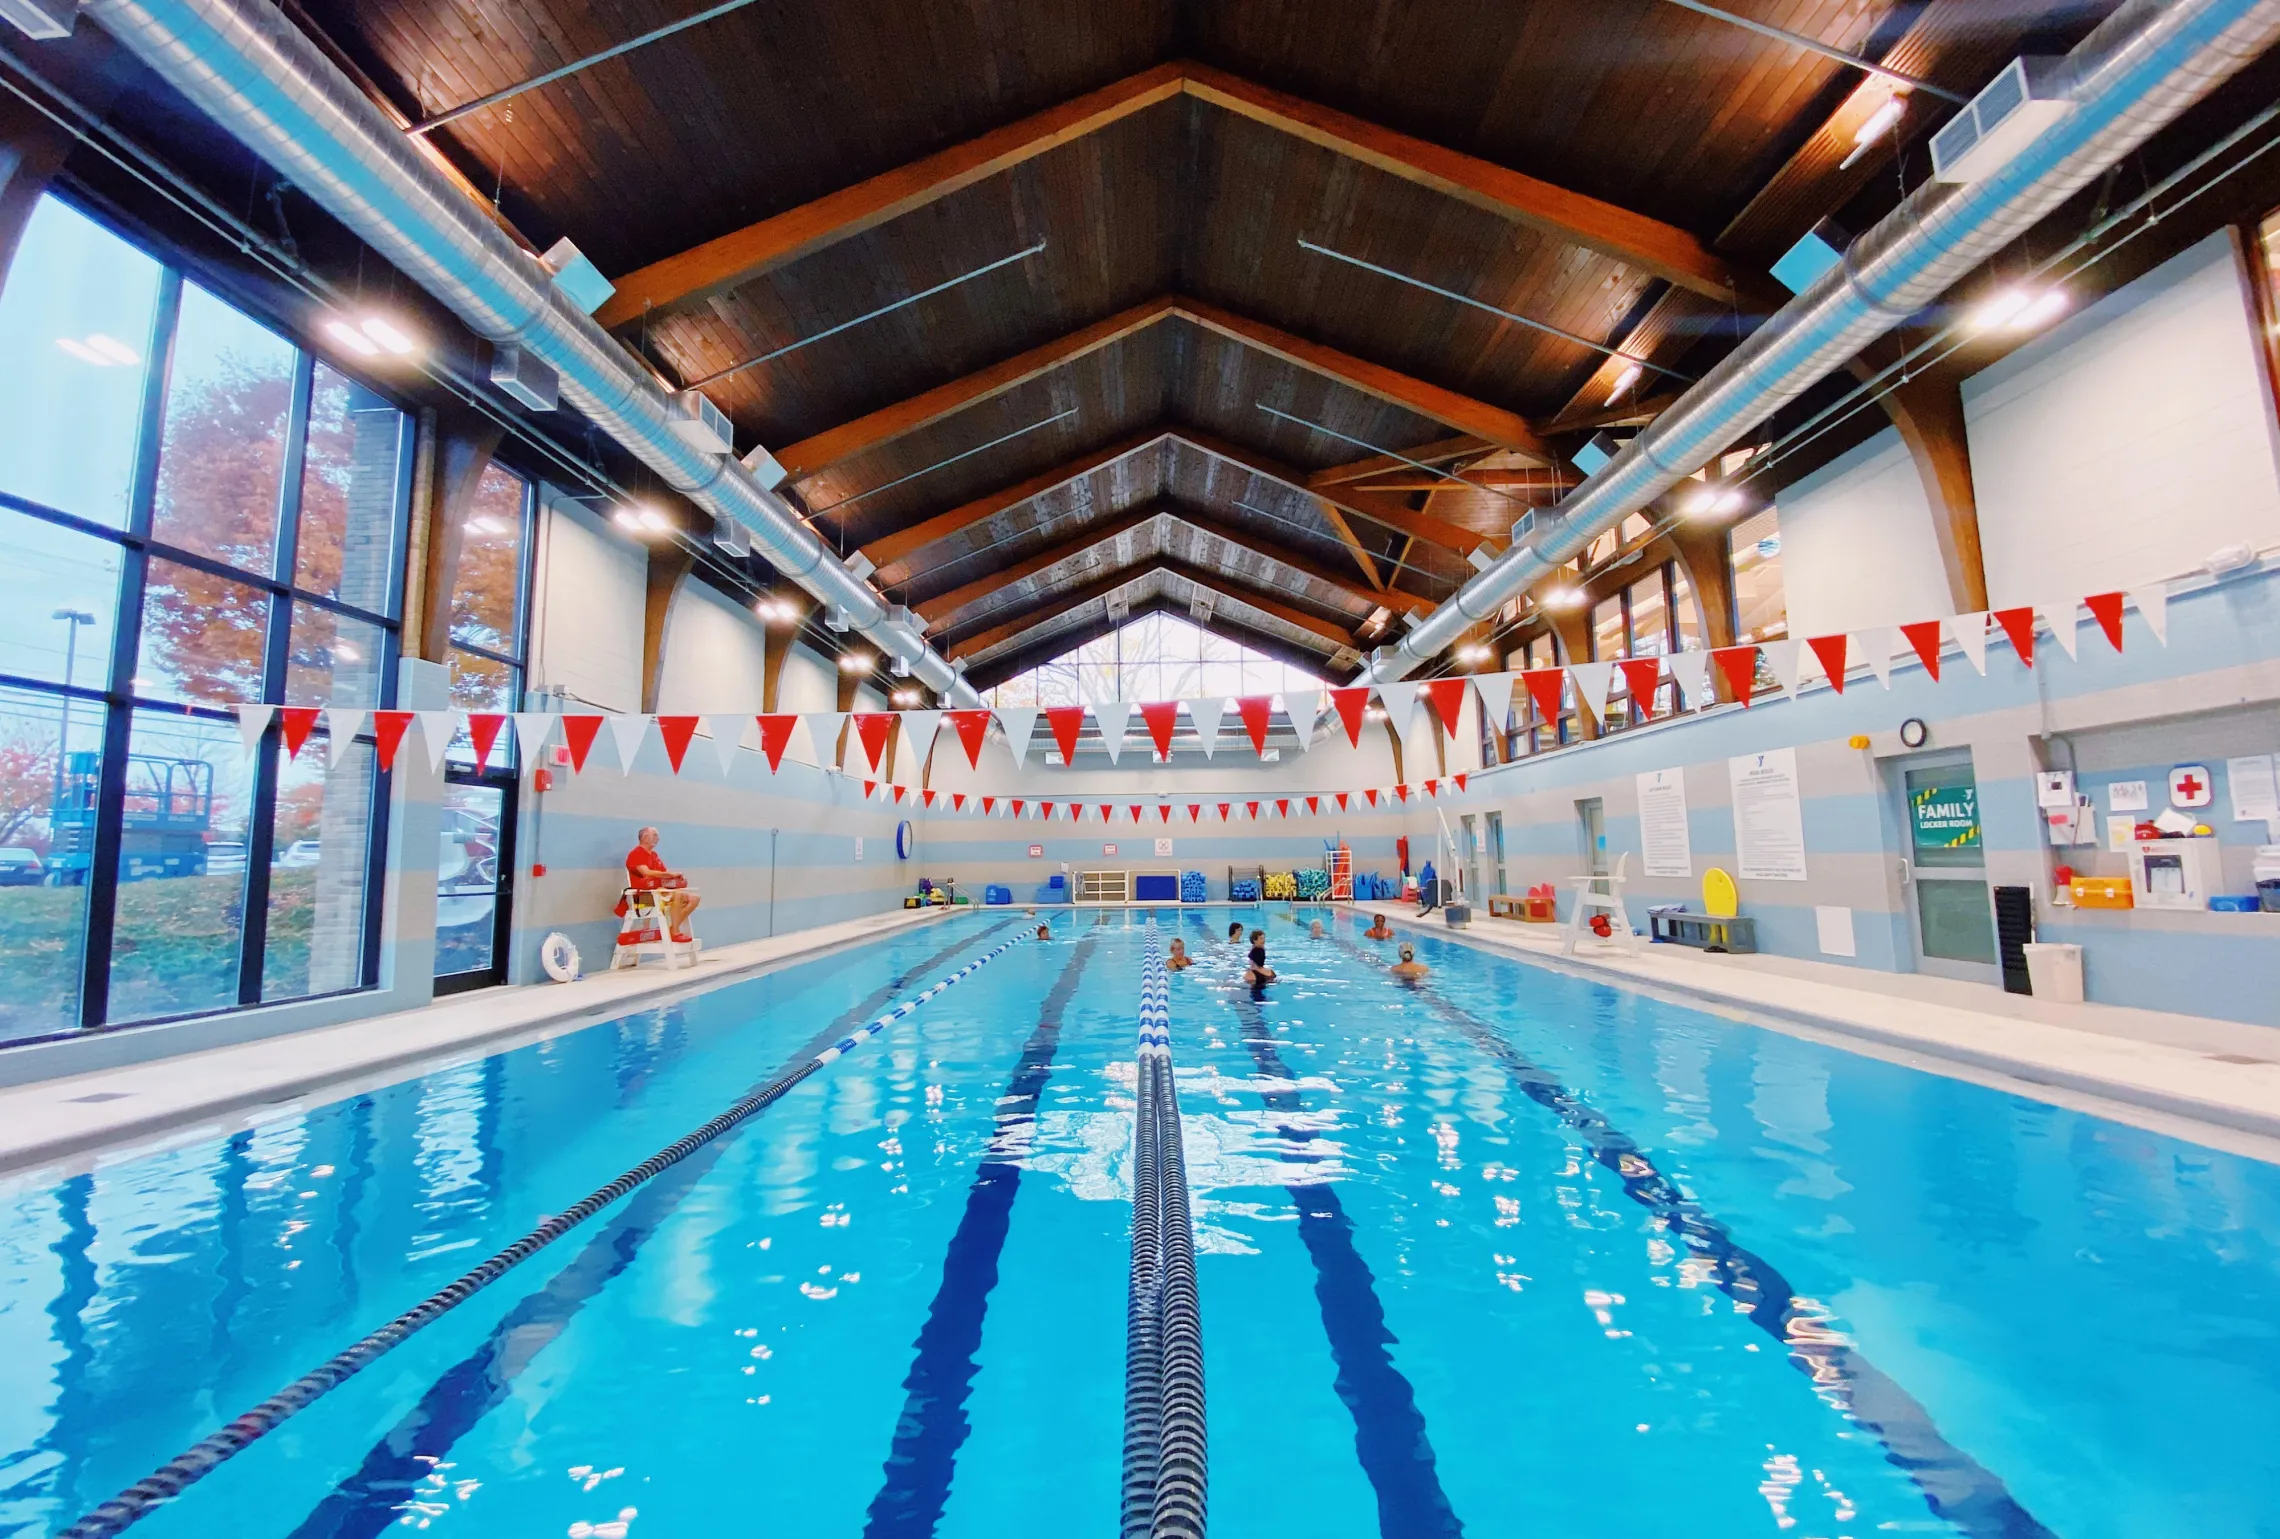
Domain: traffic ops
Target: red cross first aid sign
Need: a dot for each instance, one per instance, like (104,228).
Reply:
(2189,786)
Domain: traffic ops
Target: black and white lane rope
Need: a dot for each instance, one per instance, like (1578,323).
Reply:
(209,1453)
(1165,1466)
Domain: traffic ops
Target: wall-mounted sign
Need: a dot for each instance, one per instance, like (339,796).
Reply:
(858,846)
(1037,852)
(1108,849)
(1163,846)
(1769,819)
(1945,817)
(2190,785)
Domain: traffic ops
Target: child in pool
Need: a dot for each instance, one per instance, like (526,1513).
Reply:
(1258,974)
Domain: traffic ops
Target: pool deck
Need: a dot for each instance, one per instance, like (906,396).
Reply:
(2210,1081)
(67,1123)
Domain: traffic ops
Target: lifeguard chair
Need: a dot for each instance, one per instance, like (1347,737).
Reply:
(643,934)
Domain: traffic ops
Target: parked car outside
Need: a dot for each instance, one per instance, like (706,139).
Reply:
(20,867)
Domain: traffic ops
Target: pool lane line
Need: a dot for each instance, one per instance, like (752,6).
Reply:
(1390,1438)
(1166,1442)
(1957,1488)
(203,1457)
(933,1427)
(369,1501)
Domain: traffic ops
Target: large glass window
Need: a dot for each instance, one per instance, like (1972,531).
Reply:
(1528,730)
(487,597)
(166,562)
(1156,657)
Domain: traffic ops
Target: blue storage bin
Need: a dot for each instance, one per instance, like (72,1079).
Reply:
(995,895)
(1193,888)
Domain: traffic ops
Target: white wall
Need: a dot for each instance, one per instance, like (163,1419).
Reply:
(809,682)
(2130,441)
(586,601)
(1857,543)
(715,654)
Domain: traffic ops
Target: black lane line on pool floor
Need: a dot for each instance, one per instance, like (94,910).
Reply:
(368,1502)
(1957,1487)
(933,1425)
(1390,1438)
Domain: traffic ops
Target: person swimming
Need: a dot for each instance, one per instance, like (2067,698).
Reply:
(1315,929)
(1235,933)
(1044,932)
(1258,975)
(1379,929)
(1409,969)
(1179,957)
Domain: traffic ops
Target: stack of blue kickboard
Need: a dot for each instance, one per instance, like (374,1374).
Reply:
(1193,888)
(1055,890)
(1244,889)
(994,895)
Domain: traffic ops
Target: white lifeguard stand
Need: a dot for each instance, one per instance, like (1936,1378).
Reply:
(643,934)
(1589,902)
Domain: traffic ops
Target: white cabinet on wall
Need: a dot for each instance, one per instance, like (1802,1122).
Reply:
(2130,441)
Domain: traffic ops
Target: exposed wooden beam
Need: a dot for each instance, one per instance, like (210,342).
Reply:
(892,549)
(740,255)
(1336,519)
(942,606)
(1486,425)
(1052,606)
(1631,238)
(1383,464)
(1927,408)
(1007,664)
(1266,603)
(745,254)
(889,423)
(1582,417)
(1282,556)
(1506,429)
(463,441)
(669,567)
(1378,510)
(1045,611)
(1522,479)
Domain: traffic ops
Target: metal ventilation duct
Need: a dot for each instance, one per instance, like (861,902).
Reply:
(249,69)
(2142,67)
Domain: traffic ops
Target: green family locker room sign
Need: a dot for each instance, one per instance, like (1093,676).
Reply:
(1946,817)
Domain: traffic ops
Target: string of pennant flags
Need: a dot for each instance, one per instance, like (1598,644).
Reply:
(1792,664)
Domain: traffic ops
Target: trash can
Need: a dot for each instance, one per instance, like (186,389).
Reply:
(2054,970)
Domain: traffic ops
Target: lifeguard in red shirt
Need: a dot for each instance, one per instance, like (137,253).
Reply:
(646,871)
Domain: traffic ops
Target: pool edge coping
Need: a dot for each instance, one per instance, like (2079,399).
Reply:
(135,1131)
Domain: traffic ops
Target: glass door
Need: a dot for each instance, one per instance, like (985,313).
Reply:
(1946,870)
(1496,848)
(474,880)
(1469,836)
(1591,829)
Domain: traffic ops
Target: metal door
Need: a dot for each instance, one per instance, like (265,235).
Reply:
(1944,873)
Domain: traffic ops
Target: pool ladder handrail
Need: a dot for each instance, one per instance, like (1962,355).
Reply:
(1165,1443)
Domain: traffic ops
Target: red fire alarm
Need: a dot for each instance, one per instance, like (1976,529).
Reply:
(538,869)
(542,780)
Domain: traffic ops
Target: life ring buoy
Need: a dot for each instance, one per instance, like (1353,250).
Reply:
(902,840)
(559,957)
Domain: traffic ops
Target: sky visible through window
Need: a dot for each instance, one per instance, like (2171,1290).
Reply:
(1156,657)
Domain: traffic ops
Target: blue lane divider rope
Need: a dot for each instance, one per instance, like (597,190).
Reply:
(202,1458)
(1165,1465)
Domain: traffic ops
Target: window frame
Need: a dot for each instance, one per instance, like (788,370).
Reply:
(122,703)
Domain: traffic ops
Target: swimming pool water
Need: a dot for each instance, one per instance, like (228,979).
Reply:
(1508,1253)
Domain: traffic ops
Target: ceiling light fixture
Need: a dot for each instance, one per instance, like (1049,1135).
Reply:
(1877,125)
(768,607)
(626,518)
(1564,598)
(352,339)
(854,662)
(1713,500)
(1475,653)
(654,522)
(907,697)
(1623,382)
(2019,309)
(386,333)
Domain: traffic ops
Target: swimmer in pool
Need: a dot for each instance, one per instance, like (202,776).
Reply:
(1044,932)
(1379,929)
(1258,975)
(1235,933)
(1315,929)
(1179,957)
(1409,969)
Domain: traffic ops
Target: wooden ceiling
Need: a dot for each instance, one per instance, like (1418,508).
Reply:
(1169,391)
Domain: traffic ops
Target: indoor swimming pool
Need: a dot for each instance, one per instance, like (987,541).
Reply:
(1508,1252)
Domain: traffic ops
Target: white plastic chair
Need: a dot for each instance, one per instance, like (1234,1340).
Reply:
(1610,903)
(645,915)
